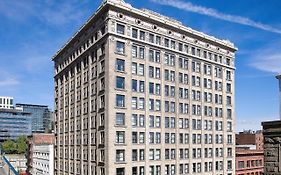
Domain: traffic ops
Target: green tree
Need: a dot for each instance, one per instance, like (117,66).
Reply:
(21,145)
(9,147)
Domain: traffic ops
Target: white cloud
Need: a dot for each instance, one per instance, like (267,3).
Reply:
(7,79)
(50,12)
(8,82)
(187,6)
(267,58)
(268,63)
(63,14)
(17,10)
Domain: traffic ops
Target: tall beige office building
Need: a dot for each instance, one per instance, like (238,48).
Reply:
(138,93)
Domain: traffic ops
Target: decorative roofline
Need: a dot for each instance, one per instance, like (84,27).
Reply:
(155,16)
(166,20)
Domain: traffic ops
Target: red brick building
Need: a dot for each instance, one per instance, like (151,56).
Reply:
(249,153)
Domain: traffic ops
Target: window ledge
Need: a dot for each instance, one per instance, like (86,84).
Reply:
(118,53)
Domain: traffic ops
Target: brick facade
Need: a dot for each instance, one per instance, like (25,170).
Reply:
(249,153)
(249,162)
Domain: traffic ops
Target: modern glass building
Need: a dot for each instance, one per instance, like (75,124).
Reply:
(40,115)
(14,123)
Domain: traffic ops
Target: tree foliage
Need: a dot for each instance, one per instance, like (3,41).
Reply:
(21,145)
(9,147)
(15,147)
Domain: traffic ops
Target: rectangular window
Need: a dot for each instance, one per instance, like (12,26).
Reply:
(151,38)
(120,82)
(158,40)
(142,35)
(134,120)
(229,113)
(120,119)
(120,29)
(134,102)
(134,85)
(228,61)
(151,55)
(120,137)
(180,46)
(120,47)
(120,100)
(119,171)
(228,75)
(120,155)
(173,44)
(158,122)
(228,87)
(141,120)
(134,156)
(157,57)
(157,73)
(157,89)
(228,100)
(134,68)
(151,88)
(141,70)
(151,71)
(134,51)
(141,103)
(120,65)
(141,86)
(141,52)
(134,33)
(166,42)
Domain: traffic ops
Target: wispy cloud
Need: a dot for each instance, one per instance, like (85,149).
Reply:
(267,58)
(7,79)
(51,12)
(64,13)
(187,6)
(17,10)
(268,63)
(8,82)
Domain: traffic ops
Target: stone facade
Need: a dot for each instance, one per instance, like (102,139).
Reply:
(272,147)
(138,93)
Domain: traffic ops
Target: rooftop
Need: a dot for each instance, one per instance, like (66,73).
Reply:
(32,105)
(153,15)
(43,139)
(246,152)
(13,111)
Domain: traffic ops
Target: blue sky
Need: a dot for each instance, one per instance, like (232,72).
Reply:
(31,31)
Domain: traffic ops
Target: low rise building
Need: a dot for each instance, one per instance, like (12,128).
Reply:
(249,153)
(252,139)
(17,161)
(249,162)
(40,156)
